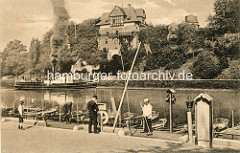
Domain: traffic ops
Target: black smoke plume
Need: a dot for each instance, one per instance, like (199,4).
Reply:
(59,39)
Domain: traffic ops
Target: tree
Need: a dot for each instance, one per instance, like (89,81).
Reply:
(84,44)
(14,58)
(167,53)
(232,72)
(156,36)
(34,52)
(227,47)
(226,18)
(44,64)
(206,66)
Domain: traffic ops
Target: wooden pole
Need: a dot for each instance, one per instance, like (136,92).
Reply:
(125,88)
(50,99)
(232,119)
(113,106)
(77,112)
(127,98)
(41,104)
(27,107)
(101,113)
(60,111)
(170,113)
(189,119)
(14,105)
(122,60)
(120,118)
(128,111)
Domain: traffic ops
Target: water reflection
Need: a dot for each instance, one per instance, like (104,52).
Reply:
(224,100)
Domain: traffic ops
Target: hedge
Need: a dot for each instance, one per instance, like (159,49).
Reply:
(201,84)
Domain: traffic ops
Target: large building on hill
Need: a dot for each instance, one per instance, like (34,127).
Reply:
(124,22)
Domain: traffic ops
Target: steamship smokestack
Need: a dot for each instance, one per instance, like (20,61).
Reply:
(59,39)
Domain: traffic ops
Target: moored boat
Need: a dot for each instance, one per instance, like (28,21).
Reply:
(135,120)
(42,85)
(220,124)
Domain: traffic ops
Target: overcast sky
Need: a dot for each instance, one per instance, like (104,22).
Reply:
(24,19)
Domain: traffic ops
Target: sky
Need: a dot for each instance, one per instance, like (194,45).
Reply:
(25,19)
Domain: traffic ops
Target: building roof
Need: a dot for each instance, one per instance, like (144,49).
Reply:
(117,11)
(191,19)
(130,15)
(140,12)
(105,20)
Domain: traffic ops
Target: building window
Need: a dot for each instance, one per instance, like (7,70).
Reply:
(117,21)
(106,41)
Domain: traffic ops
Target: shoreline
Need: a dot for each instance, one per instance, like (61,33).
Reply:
(181,89)
(196,84)
(176,84)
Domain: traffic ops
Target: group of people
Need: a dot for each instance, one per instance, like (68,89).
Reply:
(93,114)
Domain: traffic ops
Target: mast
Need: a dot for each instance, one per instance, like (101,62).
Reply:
(125,88)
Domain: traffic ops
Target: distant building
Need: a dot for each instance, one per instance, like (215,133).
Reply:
(193,20)
(172,28)
(124,22)
(83,66)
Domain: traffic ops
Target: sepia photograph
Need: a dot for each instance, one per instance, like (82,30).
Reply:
(120,76)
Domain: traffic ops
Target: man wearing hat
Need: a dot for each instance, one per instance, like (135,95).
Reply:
(20,115)
(147,116)
(93,110)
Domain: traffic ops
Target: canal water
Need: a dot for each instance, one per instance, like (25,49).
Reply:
(224,101)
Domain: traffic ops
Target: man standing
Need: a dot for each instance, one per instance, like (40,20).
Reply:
(93,110)
(20,115)
(67,108)
(147,116)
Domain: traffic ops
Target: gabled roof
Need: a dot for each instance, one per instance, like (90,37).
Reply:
(130,15)
(117,11)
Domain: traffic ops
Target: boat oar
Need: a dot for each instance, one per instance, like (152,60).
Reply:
(145,119)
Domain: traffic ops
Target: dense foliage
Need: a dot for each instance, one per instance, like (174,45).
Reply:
(206,66)
(226,18)
(14,58)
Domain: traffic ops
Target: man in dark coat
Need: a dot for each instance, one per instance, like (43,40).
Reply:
(93,110)
(67,108)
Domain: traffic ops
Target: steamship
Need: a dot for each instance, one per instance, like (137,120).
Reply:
(48,85)
(61,83)
(41,85)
